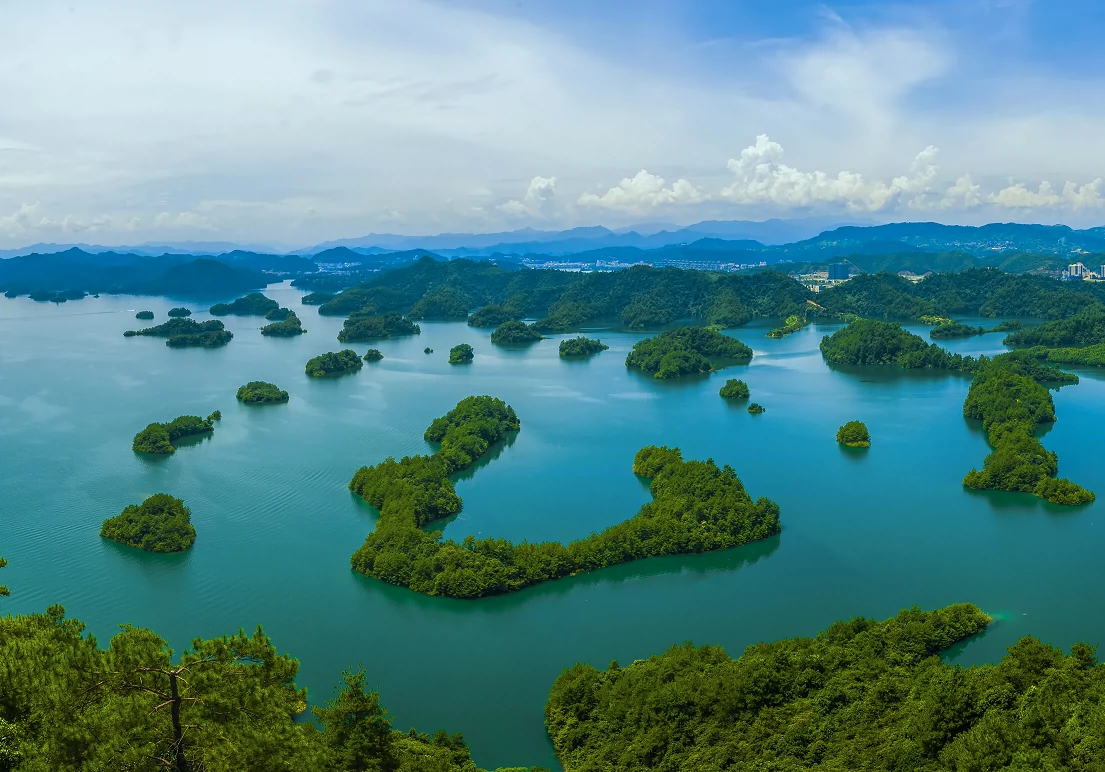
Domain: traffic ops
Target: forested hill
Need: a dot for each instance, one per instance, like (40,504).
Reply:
(642,297)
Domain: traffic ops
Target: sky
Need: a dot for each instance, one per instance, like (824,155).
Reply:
(288,123)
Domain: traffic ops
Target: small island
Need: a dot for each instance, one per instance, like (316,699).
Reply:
(161,523)
(286,327)
(756,408)
(578,348)
(854,434)
(179,312)
(461,354)
(159,438)
(373,355)
(144,315)
(427,350)
(1010,325)
(515,333)
(871,342)
(492,316)
(734,389)
(253,304)
(685,351)
(279,314)
(791,325)
(334,363)
(188,332)
(376,326)
(316,298)
(261,393)
(950,329)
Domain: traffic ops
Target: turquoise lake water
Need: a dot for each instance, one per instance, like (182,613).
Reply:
(864,533)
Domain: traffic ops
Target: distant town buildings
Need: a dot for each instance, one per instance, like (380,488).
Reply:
(1079,272)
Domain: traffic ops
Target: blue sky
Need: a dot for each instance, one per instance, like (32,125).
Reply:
(295,121)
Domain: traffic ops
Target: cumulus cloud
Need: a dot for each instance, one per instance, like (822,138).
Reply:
(29,220)
(537,200)
(643,192)
(1073,196)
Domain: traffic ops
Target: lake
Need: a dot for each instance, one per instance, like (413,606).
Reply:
(863,533)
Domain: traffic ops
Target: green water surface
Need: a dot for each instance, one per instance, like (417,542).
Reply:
(864,533)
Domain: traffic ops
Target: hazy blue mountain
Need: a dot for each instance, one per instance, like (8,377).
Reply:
(149,249)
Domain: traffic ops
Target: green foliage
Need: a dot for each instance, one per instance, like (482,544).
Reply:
(288,325)
(373,355)
(1009,325)
(442,303)
(727,310)
(316,298)
(461,354)
(697,507)
(334,363)
(571,348)
(4,592)
(951,329)
(492,316)
(159,438)
(683,351)
(161,523)
(791,325)
(144,315)
(357,731)
(261,392)
(1086,328)
(1007,396)
(375,326)
(863,695)
(756,408)
(871,342)
(279,314)
(734,389)
(427,350)
(179,311)
(215,416)
(1093,356)
(253,304)
(515,333)
(188,332)
(854,434)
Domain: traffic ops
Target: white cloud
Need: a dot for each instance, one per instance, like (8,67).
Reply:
(643,192)
(537,200)
(1073,196)
(29,221)
(963,194)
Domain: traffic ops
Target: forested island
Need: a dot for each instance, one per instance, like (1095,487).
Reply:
(684,351)
(287,326)
(791,325)
(734,389)
(260,393)
(376,326)
(580,347)
(181,333)
(144,315)
(161,523)
(515,333)
(373,355)
(461,354)
(316,298)
(854,434)
(493,315)
(871,342)
(159,438)
(756,408)
(253,304)
(334,363)
(696,507)
(179,312)
(951,329)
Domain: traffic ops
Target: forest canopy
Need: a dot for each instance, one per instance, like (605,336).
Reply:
(253,304)
(376,326)
(334,363)
(188,332)
(579,347)
(461,354)
(686,350)
(288,325)
(1086,328)
(161,523)
(261,392)
(734,389)
(871,342)
(515,333)
(854,434)
(159,438)
(178,312)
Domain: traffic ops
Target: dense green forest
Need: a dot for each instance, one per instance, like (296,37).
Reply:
(334,363)
(261,392)
(179,312)
(791,325)
(514,333)
(373,355)
(440,303)
(756,408)
(461,354)
(159,438)
(188,332)
(287,326)
(144,315)
(734,389)
(161,523)
(955,330)
(1094,356)
(1007,395)
(684,351)
(696,507)
(863,695)
(871,342)
(316,298)
(278,314)
(253,304)
(854,434)
(222,705)
(376,326)
(1085,328)
(493,315)
(579,347)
